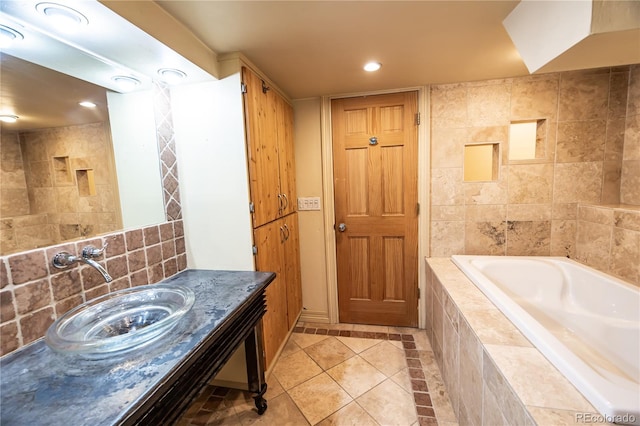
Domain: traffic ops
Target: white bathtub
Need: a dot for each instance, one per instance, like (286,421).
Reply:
(585,322)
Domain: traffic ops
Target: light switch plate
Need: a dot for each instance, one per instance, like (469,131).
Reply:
(308,203)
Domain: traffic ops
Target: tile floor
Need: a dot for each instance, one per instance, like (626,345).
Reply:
(339,374)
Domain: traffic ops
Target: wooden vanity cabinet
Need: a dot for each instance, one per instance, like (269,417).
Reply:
(270,153)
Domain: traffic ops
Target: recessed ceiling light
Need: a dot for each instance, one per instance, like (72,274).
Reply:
(8,35)
(372,66)
(87,104)
(126,83)
(171,75)
(64,17)
(6,118)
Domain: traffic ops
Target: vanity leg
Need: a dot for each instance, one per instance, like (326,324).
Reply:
(255,367)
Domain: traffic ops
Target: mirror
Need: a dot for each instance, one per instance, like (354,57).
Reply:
(61,162)
(113,180)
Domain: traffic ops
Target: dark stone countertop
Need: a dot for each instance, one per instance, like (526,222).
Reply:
(41,387)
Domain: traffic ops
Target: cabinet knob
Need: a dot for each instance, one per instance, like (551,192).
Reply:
(342,227)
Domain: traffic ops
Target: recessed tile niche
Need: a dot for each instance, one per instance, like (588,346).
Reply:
(481,162)
(527,140)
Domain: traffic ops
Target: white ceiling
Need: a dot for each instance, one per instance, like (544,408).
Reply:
(312,48)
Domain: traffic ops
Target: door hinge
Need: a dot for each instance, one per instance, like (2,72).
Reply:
(243,88)
(418,293)
(254,249)
(417,208)
(417,118)
(252,208)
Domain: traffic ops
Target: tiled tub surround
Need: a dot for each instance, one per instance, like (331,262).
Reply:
(493,374)
(592,156)
(33,293)
(608,239)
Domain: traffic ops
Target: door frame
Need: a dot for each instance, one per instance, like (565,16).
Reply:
(424,195)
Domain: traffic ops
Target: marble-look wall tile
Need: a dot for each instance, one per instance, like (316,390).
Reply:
(533,99)
(446,187)
(611,182)
(630,182)
(488,238)
(447,213)
(486,213)
(447,146)
(487,192)
(489,105)
(447,238)
(449,106)
(584,95)
(631,149)
(614,143)
(581,141)
(530,183)
(633,103)
(596,214)
(528,238)
(563,238)
(618,92)
(625,255)
(536,212)
(627,219)
(589,176)
(593,243)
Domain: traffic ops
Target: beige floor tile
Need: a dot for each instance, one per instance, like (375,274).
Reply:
(304,340)
(389,404)
(397,344)
(422,341)
(290,348)
(441,403)
(371,328)
(356,376)
(295,369)
(319,397)
(402,379)
(358,344)
(274,388)
(225,417)
(385,357)
(405,330)
(281,411)
(349,415)
(329,352)
(317,325)
(342,326)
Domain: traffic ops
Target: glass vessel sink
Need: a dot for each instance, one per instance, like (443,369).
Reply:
(121,321)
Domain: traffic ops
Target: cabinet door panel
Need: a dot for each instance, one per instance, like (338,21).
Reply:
(269,242)
(262,148)
(286,156)
(292,269)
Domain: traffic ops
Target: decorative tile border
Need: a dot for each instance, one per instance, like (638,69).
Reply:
(165,135)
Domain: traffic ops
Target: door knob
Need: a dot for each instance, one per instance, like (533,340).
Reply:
(342,227)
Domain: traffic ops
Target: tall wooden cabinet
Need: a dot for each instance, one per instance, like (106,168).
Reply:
(269,133)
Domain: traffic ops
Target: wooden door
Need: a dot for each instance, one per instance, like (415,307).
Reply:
(375,154)
(262,148)
(269,240)
(286,156)
(292,268)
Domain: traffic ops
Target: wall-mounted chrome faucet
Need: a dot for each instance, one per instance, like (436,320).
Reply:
(65,259)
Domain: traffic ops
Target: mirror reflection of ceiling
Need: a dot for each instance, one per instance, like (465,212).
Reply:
(43,98)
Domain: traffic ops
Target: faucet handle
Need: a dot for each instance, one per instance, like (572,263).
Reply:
(63,260)
(90,252)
